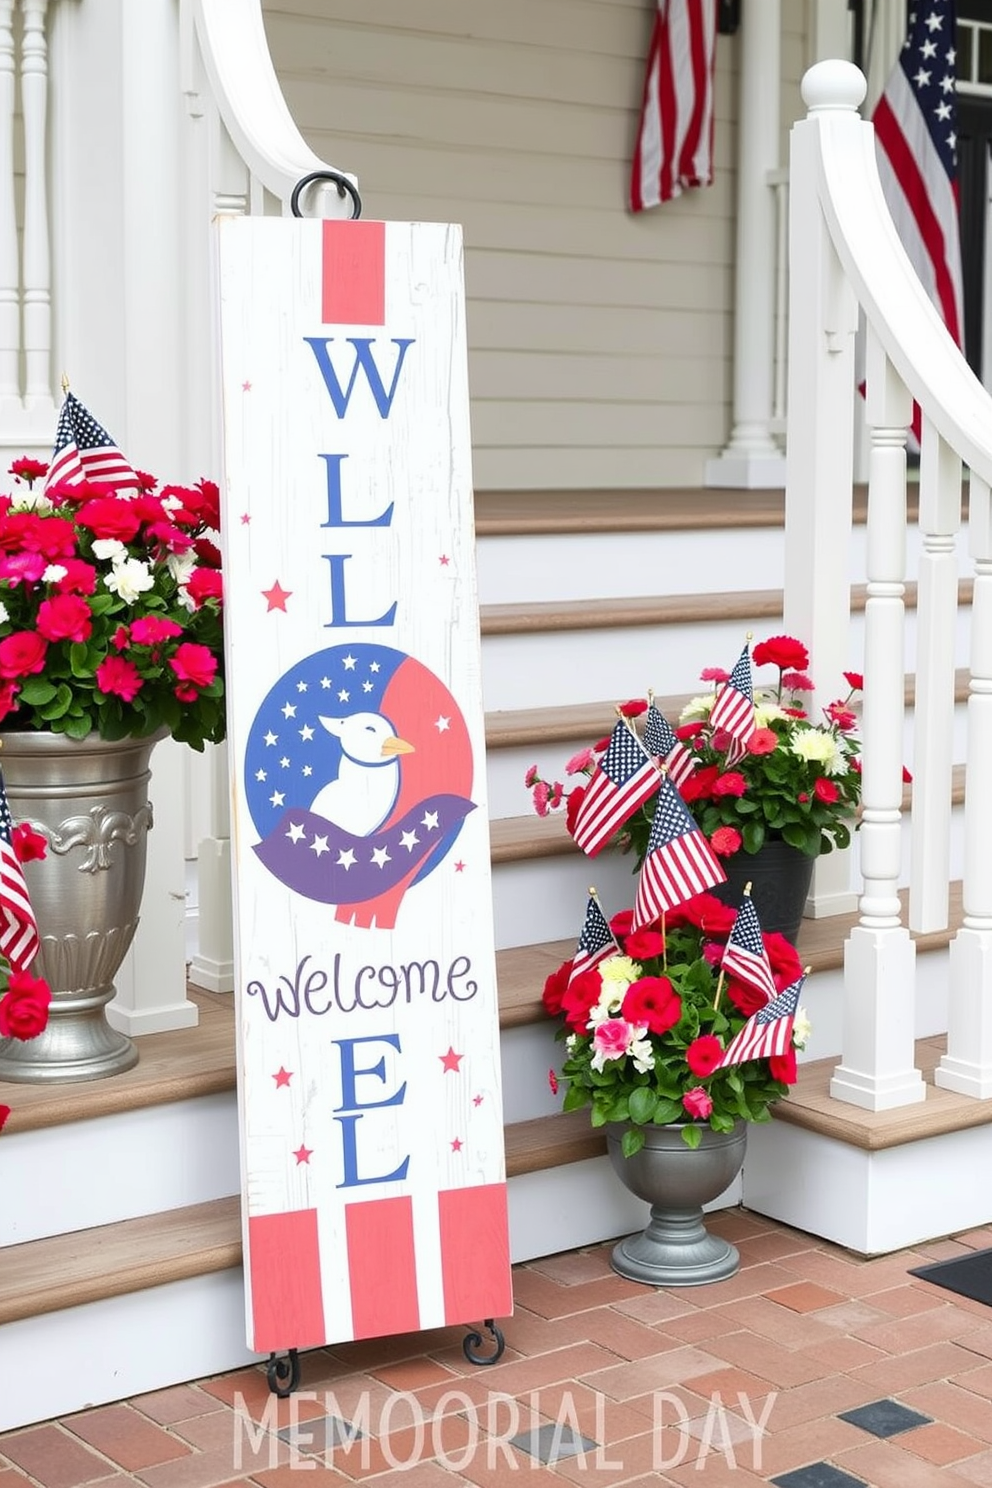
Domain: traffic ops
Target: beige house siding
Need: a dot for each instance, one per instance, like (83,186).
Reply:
(600,342)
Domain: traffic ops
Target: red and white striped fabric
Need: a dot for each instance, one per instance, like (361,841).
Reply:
(768,1032)
(674,149)
(916,145)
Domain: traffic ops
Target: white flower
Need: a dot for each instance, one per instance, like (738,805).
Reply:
(108,547)
(641,1052)
(571,1041)
(819,747)
(3,613)
(129,578)
(697,708)
(801,1029)
(53,573)
(180,566)
(35,501)
(767,713)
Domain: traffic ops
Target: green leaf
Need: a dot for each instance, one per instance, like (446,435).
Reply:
(692,1135)
(36,691)
(642,1103)
(576,1096)
(632,1141)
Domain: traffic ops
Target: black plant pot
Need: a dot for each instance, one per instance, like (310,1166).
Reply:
(779,876)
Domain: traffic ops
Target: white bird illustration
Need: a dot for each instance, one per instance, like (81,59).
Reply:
(368,780)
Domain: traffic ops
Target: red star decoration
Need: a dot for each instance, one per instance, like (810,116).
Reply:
(303,1155)
(245,519)
(444,560)
(277,596)
(456,1145)
(451,1061)
(246,387)
(282,1076)
(477,1100)
(459,866)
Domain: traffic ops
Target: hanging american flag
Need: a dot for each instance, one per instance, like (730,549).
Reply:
(625,777)
(916,146)
(596,941)
(674,148)
(745,956)
(768,1032)
(679,862)
(661,742)
(84,451)
(19,940)
(733,710)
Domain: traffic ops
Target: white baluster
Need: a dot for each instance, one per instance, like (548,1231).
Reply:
(10,318)
(213,966)
(38,401)
(967,1065)
(877,1070)
(933,725)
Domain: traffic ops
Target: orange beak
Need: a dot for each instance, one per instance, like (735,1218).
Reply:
(392,745)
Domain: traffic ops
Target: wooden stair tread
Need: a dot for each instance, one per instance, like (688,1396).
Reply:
(550,1142)
(48,1275)
(551,616)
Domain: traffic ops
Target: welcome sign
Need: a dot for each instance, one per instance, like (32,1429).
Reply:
(374,1193)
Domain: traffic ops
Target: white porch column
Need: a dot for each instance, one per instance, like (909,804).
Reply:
(119,337)
(752,458)
(213,965)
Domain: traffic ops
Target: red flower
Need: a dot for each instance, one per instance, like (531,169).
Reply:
(826,791)
(24,1008)
(784,652)
(22,654)
(554,988)
(79,577)
(579,998)
(118,678)
(22,568)
(193,663)
(150,630)
(730,784)
(762,741)
(621,923)
(654,1001)
(797,682)
(186,692)
(783,958)
(66,617)
(783,1066)
(120,638)
(634,708)
(601,744)
(842,716)
(8,698)
(795,712)
(27,843)
(907,778)
(572,803)
(747,1000)
(643,944)
(710,915)
(704,1054)
(714,674)
(4,1113)
(553,1081)
(726,841)
(555,798)
(700,783)
(689,730)
(697,1102)
(802,798)
(28,469)
(146,482)
(207,552)
(855,681)
(107,516)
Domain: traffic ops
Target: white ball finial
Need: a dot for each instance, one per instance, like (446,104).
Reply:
(833,85)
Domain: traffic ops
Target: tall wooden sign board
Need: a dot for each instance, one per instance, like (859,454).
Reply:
(374,1193)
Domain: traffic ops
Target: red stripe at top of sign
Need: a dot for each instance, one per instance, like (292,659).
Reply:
(353,277)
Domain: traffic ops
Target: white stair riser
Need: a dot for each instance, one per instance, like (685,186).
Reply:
(545,899)
(545,669)
(171,1155)
(561,566)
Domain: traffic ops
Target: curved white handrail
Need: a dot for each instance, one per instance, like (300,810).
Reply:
(239,67)
(897,306)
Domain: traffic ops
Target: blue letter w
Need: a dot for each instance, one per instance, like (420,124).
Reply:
(364,359)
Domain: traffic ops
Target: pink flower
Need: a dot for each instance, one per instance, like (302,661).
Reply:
(612,1038)
(714,674)
(118,678)
(697,1103)
(826,791)
(22,654)
(109,516)
(555,798)
(27,843)
(797,682)
(541,796)
(149,630)
(65,617)
(841,715)
(8,698)
(553,1081)
(762,741)
(579,762)
(194,663)
(531,777)
(204,584)
(726,841)
(22,568)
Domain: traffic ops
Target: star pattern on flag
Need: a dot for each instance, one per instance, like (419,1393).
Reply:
(596,940)
(745,956)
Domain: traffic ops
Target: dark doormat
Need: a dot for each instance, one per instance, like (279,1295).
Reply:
(969,1276)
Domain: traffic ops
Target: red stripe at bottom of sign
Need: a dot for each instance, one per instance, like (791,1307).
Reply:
(353,278)
(475,1253)
(284,1275)
(382,1267)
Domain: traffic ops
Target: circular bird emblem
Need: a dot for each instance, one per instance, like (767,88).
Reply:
(358,776)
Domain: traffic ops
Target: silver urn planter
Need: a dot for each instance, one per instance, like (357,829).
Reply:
(676,1249)
(89,799)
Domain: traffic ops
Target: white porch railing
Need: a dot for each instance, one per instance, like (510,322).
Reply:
(844,252)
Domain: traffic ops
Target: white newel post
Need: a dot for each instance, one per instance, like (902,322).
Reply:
(967,1065)
(823,319)
(39,406)
(10,328)
(933,721)
(212,968)
(877,1070)
(752,458)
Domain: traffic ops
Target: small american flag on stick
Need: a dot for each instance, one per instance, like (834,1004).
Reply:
(662,743)
(596,942)
(769,1032)
(679,862)
(84,451)
(19,940)
(625,777)
(745,956)
(733,710)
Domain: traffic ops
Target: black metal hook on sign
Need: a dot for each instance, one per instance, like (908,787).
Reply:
(283,1373)
(345,188)
(472,1343)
